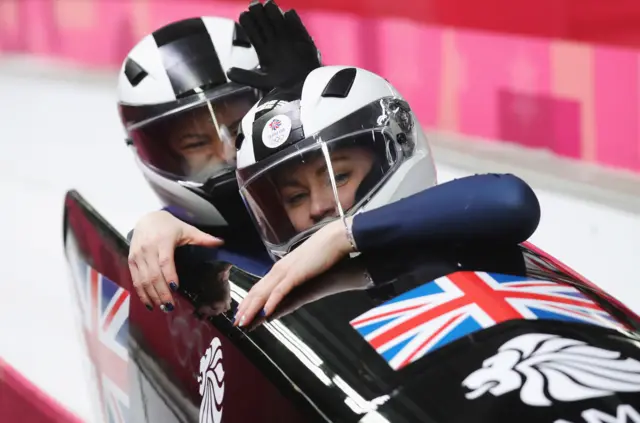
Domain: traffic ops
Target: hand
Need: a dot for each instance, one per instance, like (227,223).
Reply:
(286,51)
(151,260)
(316,255)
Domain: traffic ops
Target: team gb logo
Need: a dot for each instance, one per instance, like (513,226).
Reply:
(548,367)
(211,380)
(276,131)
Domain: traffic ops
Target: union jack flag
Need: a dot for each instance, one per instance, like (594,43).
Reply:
(105,315)
(419,321)
(275,124)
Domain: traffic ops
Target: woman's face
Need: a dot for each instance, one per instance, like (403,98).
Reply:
(195,139)
(306,191)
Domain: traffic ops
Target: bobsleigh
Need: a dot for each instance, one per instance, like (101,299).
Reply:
(474,333)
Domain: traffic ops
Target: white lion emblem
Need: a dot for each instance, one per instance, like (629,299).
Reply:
(546,367)
(211,380)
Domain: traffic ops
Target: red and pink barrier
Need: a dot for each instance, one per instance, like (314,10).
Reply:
(578,100)
(21,401)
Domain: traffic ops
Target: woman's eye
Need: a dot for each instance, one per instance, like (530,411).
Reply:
(296,199)
(342,178)
(194,145)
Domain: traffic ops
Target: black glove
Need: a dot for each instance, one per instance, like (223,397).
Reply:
(286,51)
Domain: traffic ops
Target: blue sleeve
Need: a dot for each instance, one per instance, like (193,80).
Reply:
(252,260)
(174,211)
(498,208)
(244,239)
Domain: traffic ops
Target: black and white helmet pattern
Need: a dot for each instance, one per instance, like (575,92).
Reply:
(170,79)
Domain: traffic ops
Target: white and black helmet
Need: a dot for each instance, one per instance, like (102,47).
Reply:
(181,113)
(342,142)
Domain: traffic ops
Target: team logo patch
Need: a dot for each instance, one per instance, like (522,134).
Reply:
(426,318)
(211,380)
(547,368)
(276,131)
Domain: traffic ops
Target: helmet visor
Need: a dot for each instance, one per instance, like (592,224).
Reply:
(197,143)
(317,182)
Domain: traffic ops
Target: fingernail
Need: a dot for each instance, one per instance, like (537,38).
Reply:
(241,321)
(262,313)
(173,286)
(149,307)
(168,307)
(233,320)
(162,307)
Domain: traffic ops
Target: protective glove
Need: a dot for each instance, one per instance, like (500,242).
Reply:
(286,51)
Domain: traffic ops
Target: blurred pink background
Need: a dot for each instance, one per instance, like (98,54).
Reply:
(561,75)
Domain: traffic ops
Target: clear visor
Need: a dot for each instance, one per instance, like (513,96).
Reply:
(317,182)
(196,144)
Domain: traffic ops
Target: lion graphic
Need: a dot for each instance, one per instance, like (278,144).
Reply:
(548,367)
(211,380)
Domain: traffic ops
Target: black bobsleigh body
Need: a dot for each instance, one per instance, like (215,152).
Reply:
(481,333)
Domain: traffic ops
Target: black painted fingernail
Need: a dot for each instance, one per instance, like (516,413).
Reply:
(168,307)
(173,286)
(149,307)
(262,313)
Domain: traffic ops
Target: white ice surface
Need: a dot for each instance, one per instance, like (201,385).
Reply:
(59,135)
(55,136)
